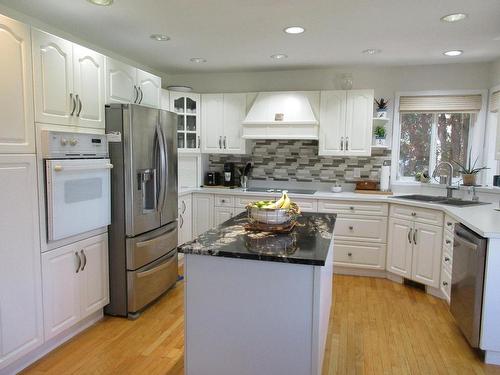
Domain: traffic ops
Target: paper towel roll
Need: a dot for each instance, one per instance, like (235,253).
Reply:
(385,176)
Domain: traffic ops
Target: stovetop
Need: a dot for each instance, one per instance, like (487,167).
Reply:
(278,191)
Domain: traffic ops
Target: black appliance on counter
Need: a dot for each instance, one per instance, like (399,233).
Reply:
(496,180)
(212,179)
(229,176)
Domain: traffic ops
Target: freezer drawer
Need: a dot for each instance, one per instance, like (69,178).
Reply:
(148,283)
(144,249)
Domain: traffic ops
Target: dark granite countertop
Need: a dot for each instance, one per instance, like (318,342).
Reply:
(307,243)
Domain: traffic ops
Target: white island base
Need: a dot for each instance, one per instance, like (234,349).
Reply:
(255,317)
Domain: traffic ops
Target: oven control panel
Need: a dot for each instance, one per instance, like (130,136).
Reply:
(56,144)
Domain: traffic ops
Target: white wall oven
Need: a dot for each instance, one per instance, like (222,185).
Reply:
(77,183)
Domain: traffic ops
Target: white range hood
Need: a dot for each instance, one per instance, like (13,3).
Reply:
(282,115)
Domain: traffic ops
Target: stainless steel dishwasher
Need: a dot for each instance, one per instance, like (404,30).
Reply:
(469,256)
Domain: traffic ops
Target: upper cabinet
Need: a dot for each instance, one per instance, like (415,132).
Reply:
(68,82)
(221,120)
(346,123)
(17,130)
(165,100)
(126,84)
(187,107)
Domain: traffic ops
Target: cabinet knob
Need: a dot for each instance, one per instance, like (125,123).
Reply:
(445,283)
(351,208)
(446,259)
(413,214)
(223,200)
(351,227)
(349,254)
(448,241)
(449,223)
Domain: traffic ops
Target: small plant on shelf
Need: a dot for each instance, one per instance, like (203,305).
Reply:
(380,134)
(381,107)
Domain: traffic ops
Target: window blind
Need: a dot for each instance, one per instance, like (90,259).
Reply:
(495,102)
(448,103)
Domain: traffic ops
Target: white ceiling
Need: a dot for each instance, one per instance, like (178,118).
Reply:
(239,35)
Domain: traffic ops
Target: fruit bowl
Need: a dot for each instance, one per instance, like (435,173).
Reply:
(273,212)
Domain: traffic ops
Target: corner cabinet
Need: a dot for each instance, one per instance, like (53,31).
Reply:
(69,83)
(75,283)
(221,120)
(17,129)
(21,316)
(187,107)
(346,122)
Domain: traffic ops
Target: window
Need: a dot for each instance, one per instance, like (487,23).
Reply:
(429,138)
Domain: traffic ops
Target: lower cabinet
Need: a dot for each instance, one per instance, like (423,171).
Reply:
(222,214)
(203,213)
(21,316)
(75,283)
(415,251)
(360,255)
(185,227)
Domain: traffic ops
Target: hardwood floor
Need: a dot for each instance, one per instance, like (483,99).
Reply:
(377,327)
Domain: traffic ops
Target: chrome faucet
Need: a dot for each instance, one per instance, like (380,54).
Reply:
(449,178)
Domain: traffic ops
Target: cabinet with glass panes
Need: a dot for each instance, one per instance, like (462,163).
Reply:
(187,107)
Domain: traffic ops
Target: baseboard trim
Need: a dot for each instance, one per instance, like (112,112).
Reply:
(340,270)
(492,358)
(52,344)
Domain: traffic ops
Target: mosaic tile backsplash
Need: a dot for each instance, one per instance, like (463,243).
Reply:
(299,161)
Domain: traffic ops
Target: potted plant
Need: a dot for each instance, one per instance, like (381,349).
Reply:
(469,171)
(382,107)
(380,133)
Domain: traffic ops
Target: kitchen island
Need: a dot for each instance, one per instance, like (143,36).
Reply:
(257,302)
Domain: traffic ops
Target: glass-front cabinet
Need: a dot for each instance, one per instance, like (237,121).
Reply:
(187,107)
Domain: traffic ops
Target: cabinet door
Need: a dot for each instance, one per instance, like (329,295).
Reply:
(88,68)
(185,220)
(399,252)
(212,122)
(61,270)
(332,122)
(427,247)
(94,275)
(120,82)
(21,317)
(149,87)
(53,79)
(234,114)
(359,122)
(203,213)
(187,107)
(17,129)
(222,214)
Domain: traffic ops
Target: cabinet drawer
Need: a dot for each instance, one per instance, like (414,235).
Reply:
(358,228)
(352,207)
(242,201)
(359,255)
(449,223)
(421,215)
(446,284)
(306,205)
(224,200)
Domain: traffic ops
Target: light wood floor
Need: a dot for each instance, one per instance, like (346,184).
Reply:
(377,327)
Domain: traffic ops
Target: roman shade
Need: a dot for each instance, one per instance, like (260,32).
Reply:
(495,102)
(440,103)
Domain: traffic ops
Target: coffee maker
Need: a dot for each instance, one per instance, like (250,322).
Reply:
(229,175)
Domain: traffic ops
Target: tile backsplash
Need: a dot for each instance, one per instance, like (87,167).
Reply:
(298,161)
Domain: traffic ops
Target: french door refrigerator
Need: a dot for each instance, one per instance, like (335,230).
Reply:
(143,230)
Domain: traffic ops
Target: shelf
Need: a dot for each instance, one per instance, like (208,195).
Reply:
(377,147)
(385,119)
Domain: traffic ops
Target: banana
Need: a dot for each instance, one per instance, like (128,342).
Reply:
(286,203)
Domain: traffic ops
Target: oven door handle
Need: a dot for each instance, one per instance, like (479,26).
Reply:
(60,168)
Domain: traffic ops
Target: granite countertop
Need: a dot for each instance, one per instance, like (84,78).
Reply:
(308,243)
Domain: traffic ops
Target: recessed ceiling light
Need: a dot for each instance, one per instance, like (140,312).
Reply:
(455,17)
(160,37)
(101,2)
(371,51)
(294,30)
(198,60)
(279,56)
(452,53)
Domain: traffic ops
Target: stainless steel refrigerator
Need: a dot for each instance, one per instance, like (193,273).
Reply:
(143,230)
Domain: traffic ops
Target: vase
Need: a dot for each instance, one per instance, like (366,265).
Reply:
(469,179)
(381,113)
(380,141)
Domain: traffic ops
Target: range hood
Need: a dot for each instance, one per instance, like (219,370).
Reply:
(282,115)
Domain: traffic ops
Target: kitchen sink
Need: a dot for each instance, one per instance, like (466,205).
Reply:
(440,200)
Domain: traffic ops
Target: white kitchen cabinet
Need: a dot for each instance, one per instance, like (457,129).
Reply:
(362,255)
(69,82)
(222,214)
(190,171)
(400,247)
(221,120)
(203,213)
(75,283)
(187,107)
(21,317)
(88,70)
(149,87)
(346,122)
(361,228)
(185,226)
(17,130)
(120,82)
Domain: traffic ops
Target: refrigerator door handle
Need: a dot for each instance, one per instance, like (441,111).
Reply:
(165,170)
(162,153)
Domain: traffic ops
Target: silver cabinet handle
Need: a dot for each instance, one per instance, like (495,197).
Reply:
(199,142)
(72,102)
(79,262)
(80,103)
(415,236)
(220,141)
(225,144)
(136,94)
(341,143)
(142,95)
(409,235)
(183,206)
(346,143)
(84,259)
(182,221)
